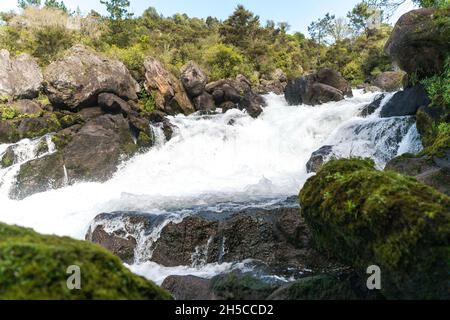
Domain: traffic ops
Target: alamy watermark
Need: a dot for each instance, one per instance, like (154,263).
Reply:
(74,280)
(374,281)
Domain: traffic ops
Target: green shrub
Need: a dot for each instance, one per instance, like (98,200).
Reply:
(33,266)
(8,112)
(226,61)
(365,217)
(438,87)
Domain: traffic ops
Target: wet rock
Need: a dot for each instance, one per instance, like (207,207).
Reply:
(318,158)
(314,89)
(406,102)
(20,77)
(76,80)
(224,91)
(334,79)
(8,158)
(276,84)
(193,79)
(189,288)
(253,104)
(169,93)
(373,106)
(92,152)
(204,102)
(419,42)
(390,80)
(228,106)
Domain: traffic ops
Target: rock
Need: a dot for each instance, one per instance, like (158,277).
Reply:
(309,90)
(364,217)
(44,276)
(390,80)
(224,91)
(322,93)
(76,80)
(90,113)
(189,288)
(204,102)
(8,131)
(7,158)
(20,77)
(168,91)
(277,237)
(373,106)
(110,103)
(90,153)
(369,89)
(318,158)
(193,79)
(253,103)
(28,107)
(419,42)
(253,234)
(432,171)
(225,106)
(241,286)
(406,102)
(325,287)
(274,86)
(334,79)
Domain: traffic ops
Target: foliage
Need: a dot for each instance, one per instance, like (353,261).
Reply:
(33,266)
(8,112)
(147,101)
(395,222)
(225,62)
(438,87)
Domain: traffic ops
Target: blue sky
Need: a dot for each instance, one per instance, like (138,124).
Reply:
(298,13)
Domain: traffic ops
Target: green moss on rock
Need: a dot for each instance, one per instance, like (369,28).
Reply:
(365,217)
(33,266)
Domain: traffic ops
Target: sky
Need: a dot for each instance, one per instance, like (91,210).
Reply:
(298,13)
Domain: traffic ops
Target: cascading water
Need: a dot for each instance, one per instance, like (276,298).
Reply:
(212,161)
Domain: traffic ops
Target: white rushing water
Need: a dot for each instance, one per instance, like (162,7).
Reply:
(213,159)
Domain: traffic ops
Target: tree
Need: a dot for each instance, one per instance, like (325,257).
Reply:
(117,9)
(361,17)
(239,28)
(339,29)
(56,5)
(27,3)
(320,31)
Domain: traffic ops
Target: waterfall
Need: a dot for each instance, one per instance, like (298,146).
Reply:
(210,161)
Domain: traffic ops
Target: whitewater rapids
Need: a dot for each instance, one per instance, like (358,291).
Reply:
(214,159)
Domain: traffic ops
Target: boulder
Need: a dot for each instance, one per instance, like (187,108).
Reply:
(365,217)
(90,152)
(189,288)
(390,81)
(204,102)
(406,102)
(315,89)
(373,106)
(273,236)
(224,91)
(419,43)
(169,93)
(27,107)
(20,77)
(8,158)
(253,103)
(193,79)
(110,103)
(35,267)
(318,158)
(76,80)
(334,79)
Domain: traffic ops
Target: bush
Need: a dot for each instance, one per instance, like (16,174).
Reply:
(226,62)
(33,266)
(365,217)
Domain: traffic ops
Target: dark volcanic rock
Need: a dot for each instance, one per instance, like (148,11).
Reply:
(189,288)
(204,102)
(318,158)
(420,42)
(110,103)
(390,80)
(373,106)
(325,86)
(406,102)
(89,153)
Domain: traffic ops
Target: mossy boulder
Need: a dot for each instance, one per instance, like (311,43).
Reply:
(33,266)
(241,286)
(8,158)
(365,217)
(324,287)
